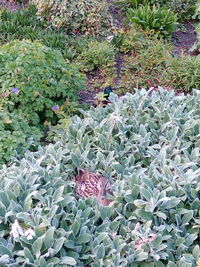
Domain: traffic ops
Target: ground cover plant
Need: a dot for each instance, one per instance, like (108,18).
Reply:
(148,144)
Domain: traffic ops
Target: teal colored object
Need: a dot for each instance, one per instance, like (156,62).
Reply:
(107,91)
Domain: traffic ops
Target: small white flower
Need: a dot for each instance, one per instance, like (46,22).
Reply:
(110,38)
(29,233)
(16,229)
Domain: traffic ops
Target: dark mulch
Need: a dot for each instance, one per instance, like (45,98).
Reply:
(10,5)
(116,13)
(86,96)
(184,39)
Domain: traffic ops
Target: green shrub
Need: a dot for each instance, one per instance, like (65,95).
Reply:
(16,136)
(153,19)
(88,17)
(42,77)
(149,147)
(97,54)
(24,24)
(183,73)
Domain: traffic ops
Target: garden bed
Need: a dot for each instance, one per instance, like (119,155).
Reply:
(99,133)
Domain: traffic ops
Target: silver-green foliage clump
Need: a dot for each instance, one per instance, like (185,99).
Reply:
(150,146)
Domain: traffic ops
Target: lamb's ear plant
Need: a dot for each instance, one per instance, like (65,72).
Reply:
(148,145)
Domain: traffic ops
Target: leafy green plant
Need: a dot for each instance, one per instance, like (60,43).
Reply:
(16,136)
(129,40)
(197,10)
(183,73)
(96,55)
(38,77)
(24,24)
(148,144)
(153,19)
(88,17)
(184,9)
(137,3)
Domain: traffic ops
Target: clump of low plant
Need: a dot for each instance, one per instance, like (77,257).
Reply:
(153,19)
(184,9)
(39,79)
(183,73)
(129,40)
(144,65)
(90,17)
(148,146)
(16,136)
(97,55)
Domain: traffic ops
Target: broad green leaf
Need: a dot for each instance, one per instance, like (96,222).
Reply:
(144,215)
(37,245)
(83,238)
(75,159)
(28,255)
(196,252)
(68,260)
(49,238)
(100,252)
(187,217)
(58,244)
(58,194)
(75,227)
